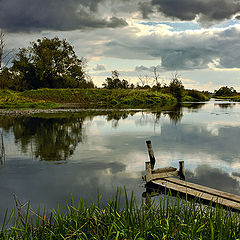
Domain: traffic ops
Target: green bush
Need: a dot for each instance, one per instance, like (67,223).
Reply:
(225,91)
(195,96)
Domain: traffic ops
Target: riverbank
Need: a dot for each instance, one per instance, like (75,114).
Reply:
(235,98)
(170,218)
(90,98)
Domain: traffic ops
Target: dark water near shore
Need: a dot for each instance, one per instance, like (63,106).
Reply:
(49,156)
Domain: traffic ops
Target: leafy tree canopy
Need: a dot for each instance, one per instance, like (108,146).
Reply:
(176,87)
(115,83)
(225,91)
(49,63)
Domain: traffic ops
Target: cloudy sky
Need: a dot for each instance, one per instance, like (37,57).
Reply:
(198,39)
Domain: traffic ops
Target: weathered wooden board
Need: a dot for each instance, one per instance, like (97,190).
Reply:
(164,170)
(159,173)
(212,191)
(194,192)
(164,175)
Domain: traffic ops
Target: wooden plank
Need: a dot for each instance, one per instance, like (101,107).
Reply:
(195,193)
(163,175)
(163,170)
(212,191)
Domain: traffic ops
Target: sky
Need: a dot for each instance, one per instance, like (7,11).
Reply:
(199,40)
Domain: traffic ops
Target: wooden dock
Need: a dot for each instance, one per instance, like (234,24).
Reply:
(163,180)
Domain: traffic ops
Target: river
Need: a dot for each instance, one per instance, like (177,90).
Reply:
(90,153)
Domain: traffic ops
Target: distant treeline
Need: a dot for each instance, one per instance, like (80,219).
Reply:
(175,88)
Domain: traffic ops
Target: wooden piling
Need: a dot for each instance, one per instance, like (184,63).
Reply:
(148,200)
(2,150)
(181,170)
(151,153)
(148,172)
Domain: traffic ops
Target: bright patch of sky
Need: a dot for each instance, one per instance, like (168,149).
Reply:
(175,26)
(183,25)
(227,23)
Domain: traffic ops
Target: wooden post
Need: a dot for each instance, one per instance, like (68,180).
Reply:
(148,200)
(148,172)
(148,178)
(181,170)
(151,154)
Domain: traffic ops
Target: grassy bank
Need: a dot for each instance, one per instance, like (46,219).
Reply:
(93,98)
(11,99)
(167,219)
(235,98)
(101,98)
(84,98)
(195,96)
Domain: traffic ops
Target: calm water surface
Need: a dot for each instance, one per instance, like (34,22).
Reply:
(49,156)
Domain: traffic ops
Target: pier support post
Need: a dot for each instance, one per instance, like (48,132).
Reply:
(151,153)
(148,200)
(148,172)
(181,170)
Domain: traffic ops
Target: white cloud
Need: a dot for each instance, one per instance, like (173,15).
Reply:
(99,67)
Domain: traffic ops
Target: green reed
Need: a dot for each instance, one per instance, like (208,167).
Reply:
(167,218)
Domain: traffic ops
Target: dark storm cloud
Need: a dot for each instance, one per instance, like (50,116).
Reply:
(143,68)
(214,10)
(186,58)
(186,50)
(34,15)
(146,9)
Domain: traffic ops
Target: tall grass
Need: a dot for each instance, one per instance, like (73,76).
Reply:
(11,99)
(167,218)
(122,98)
(84,98)
(92,98)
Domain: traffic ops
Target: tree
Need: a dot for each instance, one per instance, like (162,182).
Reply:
(225,91)
(6,81)
(176,87)
(144,81)
(115,83)
(5,75)
(49,63)
(2,45)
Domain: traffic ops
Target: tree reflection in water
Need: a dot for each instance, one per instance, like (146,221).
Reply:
(225,105)
(51,139)
(54,137)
